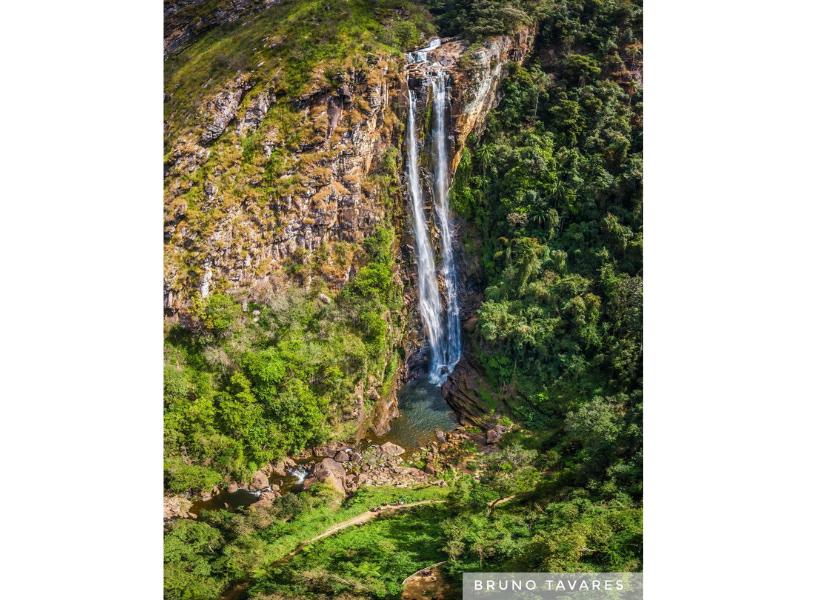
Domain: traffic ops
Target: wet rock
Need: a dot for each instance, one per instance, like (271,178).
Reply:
(267,499)
(259,481)
(392,449)
(278,468)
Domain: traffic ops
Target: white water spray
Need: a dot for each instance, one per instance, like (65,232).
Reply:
(299,473)
(429,300)
(444,337)
(452,345)
(421,55)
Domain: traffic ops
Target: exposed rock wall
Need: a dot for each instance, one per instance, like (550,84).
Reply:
(322,196)
(476,76)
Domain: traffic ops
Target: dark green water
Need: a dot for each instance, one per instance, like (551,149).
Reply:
(227,500)
(292,482)
(422,411)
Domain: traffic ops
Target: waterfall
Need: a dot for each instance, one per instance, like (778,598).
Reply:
(421,55)
(443,328)
(299,473)
(429,300)
(452,346)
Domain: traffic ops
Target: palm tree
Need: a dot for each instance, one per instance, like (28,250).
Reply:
(558,191)
(485,155)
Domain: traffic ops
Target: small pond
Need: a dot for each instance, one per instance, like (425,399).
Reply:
(422,411)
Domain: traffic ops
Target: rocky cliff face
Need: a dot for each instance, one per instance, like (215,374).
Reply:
(262,201)
(320,193)
(271,183)
(476,76)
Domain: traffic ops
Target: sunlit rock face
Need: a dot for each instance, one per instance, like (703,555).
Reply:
(262,202)
(270,186)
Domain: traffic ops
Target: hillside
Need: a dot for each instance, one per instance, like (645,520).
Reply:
(305,143)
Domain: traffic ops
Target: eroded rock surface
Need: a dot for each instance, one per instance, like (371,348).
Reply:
(463,392)
(328,472)
(392,449)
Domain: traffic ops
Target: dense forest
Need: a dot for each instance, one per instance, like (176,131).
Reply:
(549,199)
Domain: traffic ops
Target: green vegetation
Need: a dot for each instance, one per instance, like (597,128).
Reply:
(241,391)
(552,194)
(202,558)
(554,191)
(368,561)
(479,19)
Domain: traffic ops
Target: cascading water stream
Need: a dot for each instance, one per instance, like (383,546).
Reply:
(429,300)
(421,55)
(444,339)
(452,345)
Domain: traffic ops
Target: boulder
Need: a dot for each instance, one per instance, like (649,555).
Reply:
(232,487)
(341,456)
(440,436)
(176,506)
(306,453)
(392,449)
(327,451)
(329,472)
(259,481)
(278,468)
(356,457)
(266,501)
(492,436)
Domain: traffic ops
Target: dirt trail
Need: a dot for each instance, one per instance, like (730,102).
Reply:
(359,519)
(501,501)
